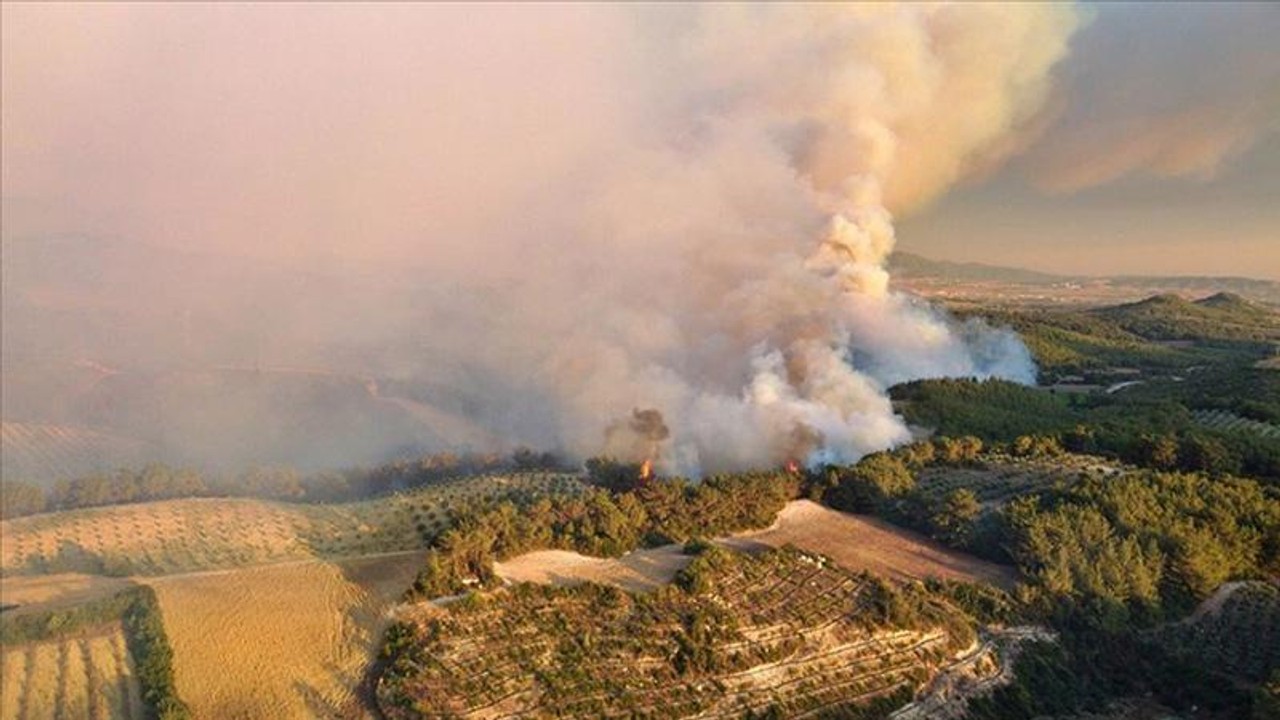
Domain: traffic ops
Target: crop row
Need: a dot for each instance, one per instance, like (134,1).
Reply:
(73,676)
(785,630)
(196,534)
(1230,422)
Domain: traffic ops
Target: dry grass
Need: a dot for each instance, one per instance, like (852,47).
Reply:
(858,542)
(637,571)
(79,676)
(283,641)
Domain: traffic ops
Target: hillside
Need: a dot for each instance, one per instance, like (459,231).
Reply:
(225,418)
(864,544)
(976,280)
(1236,633)
(1224,316)
(44,452)
(176,536)
(783,632)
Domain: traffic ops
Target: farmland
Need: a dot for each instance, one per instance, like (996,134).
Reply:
(87,674)
(188,535)
(281,641)
(783,630)
(272,609)
(1000,478)
(1230,422)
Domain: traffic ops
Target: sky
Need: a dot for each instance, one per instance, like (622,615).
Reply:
(1162,157)
(286,131)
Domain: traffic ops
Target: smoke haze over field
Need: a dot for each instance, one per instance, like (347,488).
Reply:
(545,220)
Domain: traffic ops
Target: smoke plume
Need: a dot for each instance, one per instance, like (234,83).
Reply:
(545,221)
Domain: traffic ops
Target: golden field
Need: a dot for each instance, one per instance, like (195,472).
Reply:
(283,641)
(87,675)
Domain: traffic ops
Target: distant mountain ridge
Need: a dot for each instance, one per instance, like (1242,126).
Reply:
(910,265)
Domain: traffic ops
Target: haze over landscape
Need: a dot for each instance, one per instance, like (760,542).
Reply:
(552,203)
(482,298)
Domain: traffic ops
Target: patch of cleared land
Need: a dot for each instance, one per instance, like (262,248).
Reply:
(283,641)
(858,542)
(855,542)
(637,571)
(175,536)
(85,675)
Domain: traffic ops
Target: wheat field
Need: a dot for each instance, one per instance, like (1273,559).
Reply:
(79,676)
(283,641)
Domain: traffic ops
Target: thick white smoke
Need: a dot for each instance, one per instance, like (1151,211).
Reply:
(612,208)
(774,334)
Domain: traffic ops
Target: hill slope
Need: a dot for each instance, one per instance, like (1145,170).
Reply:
(783,632)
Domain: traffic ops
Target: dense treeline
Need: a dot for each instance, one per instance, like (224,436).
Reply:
(1143,429)
(1138,540)
(1105,559)
(1144,543)
(158,481)
(138,611)
(603,523)
(42,626)
(1160,334)
(1250,392)
(144,633)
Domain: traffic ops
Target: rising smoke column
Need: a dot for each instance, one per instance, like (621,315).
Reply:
(563,214)
(855,112)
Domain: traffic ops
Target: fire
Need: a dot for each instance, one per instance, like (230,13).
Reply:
(793,467)
(646,469)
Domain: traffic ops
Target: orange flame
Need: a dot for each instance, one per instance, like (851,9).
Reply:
(646,470)
(793,467)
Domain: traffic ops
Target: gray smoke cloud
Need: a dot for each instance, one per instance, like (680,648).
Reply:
(1164,91)
(537,220)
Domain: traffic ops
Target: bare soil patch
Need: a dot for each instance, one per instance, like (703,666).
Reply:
(858,542)
(637,571)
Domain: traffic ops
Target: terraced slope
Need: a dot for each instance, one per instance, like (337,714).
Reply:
(177,536)
(783,630)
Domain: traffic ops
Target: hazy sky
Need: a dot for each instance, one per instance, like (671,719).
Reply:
(355,132)
(1161,156)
